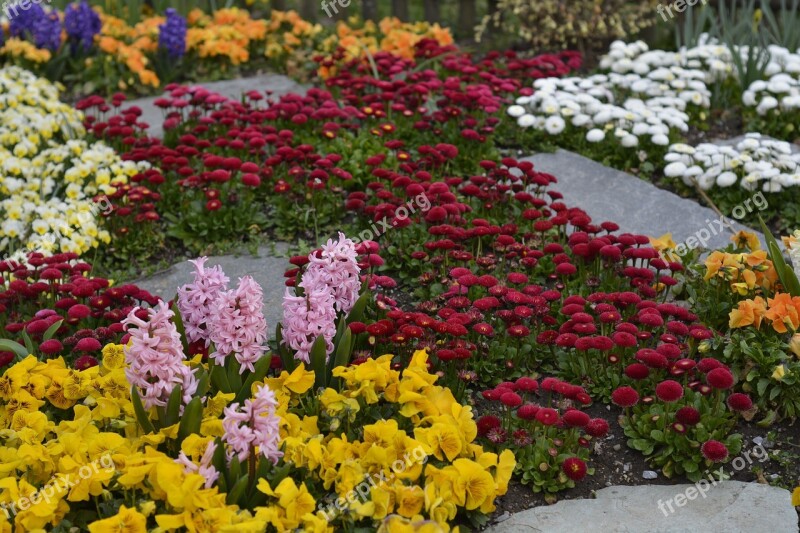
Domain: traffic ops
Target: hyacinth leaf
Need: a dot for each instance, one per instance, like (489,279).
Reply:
(219,378)
(190,421)
(234,376)
(141,414)
(786,274)
(357,312)
(202,384)
(261,369)
(178,321)
(237,491)
(52,331)
(220,462)
(319,355)
(287,359)
(173,412)
(11,346)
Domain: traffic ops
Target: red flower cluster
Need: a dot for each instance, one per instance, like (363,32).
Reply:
(47,290)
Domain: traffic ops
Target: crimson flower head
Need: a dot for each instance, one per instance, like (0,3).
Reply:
(486,424)
(528,411)
(597,427)
(547,416)
(575,418)
(511,399)
(574,468)
(527,384)
(720,378)
(714,451)
(669,391)
(739,402)
(85,361)
(687,415)
(625,397)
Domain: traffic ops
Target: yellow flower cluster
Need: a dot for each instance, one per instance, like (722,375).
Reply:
(389,35)
(48,174)
(748,271)
(26,50)
(129,46)
(71,441)
(227,33)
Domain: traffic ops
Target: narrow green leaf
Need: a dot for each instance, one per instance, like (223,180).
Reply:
(191,419)
(52,330)
(318,358)
(141,414)
(785,273)
(261,369)
(237,491)
(357,312)
(173,413)
(11,346)
(28,342)
(178,321)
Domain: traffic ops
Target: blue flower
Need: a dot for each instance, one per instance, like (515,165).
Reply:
(82,24)
(38,26)
(172,35)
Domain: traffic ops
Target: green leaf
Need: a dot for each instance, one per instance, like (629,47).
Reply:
(11,346)
(28,342)
(237,491)
(52,330)
(141,414)
(173,413)
(219,378)
(261,369)
(178,321)
(357,312)
(786,274)
(287,358)
(191,419)
(318,356)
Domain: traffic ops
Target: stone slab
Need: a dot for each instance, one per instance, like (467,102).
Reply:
(266,268)
(730,507)
(636,205)
(276,83)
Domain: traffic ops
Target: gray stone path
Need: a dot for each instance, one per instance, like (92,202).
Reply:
(731,507)
(267,269)
(277,83)
(636,205)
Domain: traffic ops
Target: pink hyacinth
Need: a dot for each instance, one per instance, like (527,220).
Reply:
(196,299)
(255,425)
(237,326)
(307,317)
(337,266)
(205,468)
(155,357)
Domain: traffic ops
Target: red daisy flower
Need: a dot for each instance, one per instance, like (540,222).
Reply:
(714,451)
(625,397)
(669,391)
(574,468)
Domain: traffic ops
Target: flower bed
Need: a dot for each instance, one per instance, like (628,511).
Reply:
(637,112)
(106,54)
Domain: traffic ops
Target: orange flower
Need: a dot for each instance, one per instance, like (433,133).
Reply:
(747,240)
(749,312)
(784,312)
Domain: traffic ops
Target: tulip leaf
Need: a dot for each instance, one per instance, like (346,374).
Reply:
(787,276)
(319,356)
(11,346)
(191,419)
(261,369)
(141,414)
(174,406)
(52,331)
